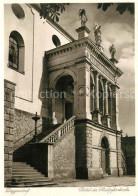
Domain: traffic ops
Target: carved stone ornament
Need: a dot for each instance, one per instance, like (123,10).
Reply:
(81,91)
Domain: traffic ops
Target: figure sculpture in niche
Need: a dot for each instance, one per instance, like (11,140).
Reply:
(83,17)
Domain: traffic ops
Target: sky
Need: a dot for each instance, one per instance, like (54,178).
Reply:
(119,30)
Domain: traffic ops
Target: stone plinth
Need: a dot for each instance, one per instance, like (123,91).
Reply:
(83,32)
(106,120)
(96,116)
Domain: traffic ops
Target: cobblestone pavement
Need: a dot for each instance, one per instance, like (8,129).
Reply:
(106,181)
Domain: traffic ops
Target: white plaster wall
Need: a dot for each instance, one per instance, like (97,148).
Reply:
(42,42)
(25,28)
(96,158)
(113,159)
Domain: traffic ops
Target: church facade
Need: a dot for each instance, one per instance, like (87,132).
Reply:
(72,85)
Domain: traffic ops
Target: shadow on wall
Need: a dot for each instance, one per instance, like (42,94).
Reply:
(128,147)
(42,96)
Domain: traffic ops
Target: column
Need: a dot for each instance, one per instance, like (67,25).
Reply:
(63,109)
(75,94)
(82,96)
(106,97)
(96,91)
(91,97)
(106,118)
(115,107)
(96,116)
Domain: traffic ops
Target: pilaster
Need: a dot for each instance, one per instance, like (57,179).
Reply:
(115,107)
(96,115)
(83,91)
(106,118)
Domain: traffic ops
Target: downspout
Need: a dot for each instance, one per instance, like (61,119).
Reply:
(117,155)
(32,53)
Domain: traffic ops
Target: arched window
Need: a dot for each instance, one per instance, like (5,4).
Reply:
(101,98)
(91,93)
(109,102)
(13,53)
(16,52)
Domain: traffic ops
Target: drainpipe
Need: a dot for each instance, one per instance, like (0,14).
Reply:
(117,154)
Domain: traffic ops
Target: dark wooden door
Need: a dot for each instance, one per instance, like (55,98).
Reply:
(68,110)
(103,160)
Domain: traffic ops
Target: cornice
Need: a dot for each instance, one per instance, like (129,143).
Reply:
(88,121)
(90,48)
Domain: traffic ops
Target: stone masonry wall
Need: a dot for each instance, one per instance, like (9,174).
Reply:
(83,150)
(64,157)
(23,124)
(24,127)
(119,155)
(9,99)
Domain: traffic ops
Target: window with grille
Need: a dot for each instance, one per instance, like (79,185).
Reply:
(16,52)
(13,53)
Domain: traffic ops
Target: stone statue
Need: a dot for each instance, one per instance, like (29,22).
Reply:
(83,17)
(97,34)
(54,120)
(112,51)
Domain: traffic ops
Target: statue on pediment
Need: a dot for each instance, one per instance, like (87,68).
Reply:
(112,51)
(97,34)
(83,17)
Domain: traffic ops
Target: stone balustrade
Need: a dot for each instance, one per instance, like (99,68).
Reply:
(60,131)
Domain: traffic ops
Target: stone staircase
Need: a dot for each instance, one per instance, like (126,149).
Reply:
(25,175)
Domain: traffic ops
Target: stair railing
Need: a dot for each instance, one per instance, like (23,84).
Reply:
(60,131)
(27,134)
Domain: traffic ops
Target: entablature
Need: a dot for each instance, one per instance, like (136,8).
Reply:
(83,50)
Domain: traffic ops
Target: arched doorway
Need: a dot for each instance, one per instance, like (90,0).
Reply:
(105,156)
(64,105)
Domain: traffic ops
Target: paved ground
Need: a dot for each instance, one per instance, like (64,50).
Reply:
(106,181)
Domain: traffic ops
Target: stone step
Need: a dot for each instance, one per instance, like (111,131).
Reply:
(34,184)
(29,181)
(23,174)
(23,164)
(29,174)
(22,167)
(29,178)
(17,163)
(15,170)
